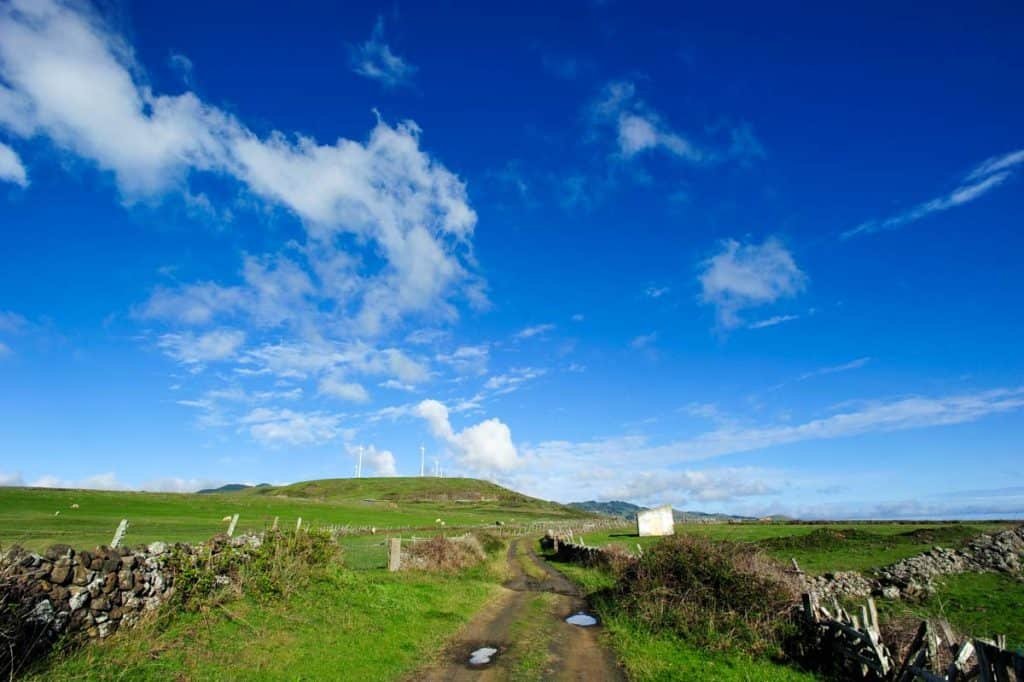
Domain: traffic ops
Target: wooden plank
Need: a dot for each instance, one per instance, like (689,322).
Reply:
(904,673)
(984,667)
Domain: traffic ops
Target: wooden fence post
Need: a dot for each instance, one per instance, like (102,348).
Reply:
(394,554)
(231,526)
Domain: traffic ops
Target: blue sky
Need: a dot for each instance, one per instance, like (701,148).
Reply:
(759,261)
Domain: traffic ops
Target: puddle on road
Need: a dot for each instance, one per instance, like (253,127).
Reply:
(583,620)
(482,656)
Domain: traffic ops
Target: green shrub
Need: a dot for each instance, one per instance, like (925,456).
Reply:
(716,595)
(277,566)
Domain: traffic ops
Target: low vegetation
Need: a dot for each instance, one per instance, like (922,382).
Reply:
(715,595)
(658,634)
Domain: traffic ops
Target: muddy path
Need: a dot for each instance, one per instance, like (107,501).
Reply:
(525,622)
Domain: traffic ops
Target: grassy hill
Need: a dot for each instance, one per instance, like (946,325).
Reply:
(38,517)
(408,489)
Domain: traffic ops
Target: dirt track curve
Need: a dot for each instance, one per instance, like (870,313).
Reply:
(573,653)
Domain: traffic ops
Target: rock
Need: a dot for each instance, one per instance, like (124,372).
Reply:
(60,574)
(55,552)
(85,557)
(128,562)
(111,564)
(158,548)
(78,600)
(42,613)
(81,575)
(105,629)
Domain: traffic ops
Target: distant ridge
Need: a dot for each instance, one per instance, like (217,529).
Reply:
(628,511)
(231,488)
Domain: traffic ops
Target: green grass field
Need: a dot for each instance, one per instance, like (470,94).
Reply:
(28,516)
(821,548)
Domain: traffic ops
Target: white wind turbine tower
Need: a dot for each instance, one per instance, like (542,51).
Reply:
(359,465)
(437,468)
(423,455)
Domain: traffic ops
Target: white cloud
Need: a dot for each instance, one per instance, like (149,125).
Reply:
(985,177)
(772,321)
(875,417)
(106,481)
(5,350)
(535,330)
(11,167)
(71,79)
(466,359)
(743,276)
(337,387)
(643,341)
(513,379)
(396,385)
(170,484)
(12,322)
(198,349)
(484,447)
(655,291)
(637,128)
(680,487)
(845,367)
(275,427)
(375,60)
(578,317)
(377,462)
(14,479)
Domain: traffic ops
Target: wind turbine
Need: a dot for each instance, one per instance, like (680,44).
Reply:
(359,466)
(423,454)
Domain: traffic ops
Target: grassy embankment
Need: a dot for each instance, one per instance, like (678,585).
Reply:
(28,516)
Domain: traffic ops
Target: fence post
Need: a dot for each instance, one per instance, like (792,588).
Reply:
(231,526)
(122,528)
(394,554)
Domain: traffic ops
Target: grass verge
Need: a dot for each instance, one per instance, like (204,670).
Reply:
(343,624)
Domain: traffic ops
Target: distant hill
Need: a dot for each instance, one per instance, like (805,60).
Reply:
(413,489)
(681,516)
(231,488)
(626,510)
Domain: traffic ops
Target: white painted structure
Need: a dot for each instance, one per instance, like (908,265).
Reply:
(657,521)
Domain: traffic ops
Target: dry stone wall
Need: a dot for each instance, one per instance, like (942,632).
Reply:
(93,593)
(913,577)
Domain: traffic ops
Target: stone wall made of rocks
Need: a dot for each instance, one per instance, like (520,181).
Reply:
(92,593)
(914,577)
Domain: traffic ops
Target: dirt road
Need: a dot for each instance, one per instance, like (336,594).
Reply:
(526,624)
